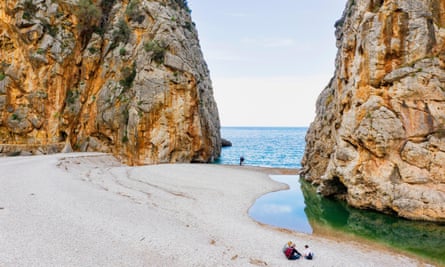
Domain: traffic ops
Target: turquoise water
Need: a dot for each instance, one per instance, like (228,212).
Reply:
(301,209)
(424,239)
(264,146)
(285,208)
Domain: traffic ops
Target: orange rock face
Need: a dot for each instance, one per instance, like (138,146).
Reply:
(123,77)
(378,138)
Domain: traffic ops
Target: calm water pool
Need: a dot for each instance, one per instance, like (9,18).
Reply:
(285,208)
(301,209)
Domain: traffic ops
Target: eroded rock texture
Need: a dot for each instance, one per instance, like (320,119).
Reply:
(120,76)
(378,138)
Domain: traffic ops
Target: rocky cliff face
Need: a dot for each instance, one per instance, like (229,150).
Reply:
(120,76)
(378,138)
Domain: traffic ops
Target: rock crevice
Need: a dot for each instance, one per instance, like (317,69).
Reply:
(379,127)
(123,77)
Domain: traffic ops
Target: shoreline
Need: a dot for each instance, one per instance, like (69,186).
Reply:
(333,234)
(87,209)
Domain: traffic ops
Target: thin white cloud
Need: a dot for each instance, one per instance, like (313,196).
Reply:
(277,209)
(270,42)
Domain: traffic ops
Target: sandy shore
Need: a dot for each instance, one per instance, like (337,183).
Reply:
(88,210)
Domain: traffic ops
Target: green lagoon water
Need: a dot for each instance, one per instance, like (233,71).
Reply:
(301,209)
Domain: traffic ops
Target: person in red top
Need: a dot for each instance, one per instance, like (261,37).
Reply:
(291,252)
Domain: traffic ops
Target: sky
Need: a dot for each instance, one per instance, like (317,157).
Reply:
(268,60)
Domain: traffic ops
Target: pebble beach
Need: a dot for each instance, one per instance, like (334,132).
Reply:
(86,209)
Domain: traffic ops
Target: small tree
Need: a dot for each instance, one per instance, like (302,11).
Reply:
(121,34)
(128,74)
(183,4)
(133,12)
(89,16)
(29,9)
(158,49)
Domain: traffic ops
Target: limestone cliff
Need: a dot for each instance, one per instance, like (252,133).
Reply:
(120,76)
(378,138)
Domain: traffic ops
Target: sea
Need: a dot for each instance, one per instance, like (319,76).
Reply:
(281,147)
(301,209)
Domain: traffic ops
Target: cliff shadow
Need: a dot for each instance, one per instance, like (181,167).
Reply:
(424,239)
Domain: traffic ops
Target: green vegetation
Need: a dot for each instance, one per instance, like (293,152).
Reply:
(188,25)
(106,6)
(15,117)
(121,34)
(29,9)
(128,75)
(125,117)
(88,15)
(71,96)
(59,14)
(92,50)
(133,12)
(158,49)
(339,23)
(2,76)
(50,29)
(99,30)
(40,51)
(122,52)
(183,4)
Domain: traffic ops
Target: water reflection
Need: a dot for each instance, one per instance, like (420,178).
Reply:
(301,209)
(283,208)
(421,238)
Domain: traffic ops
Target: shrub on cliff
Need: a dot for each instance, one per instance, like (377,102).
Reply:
(29,9)
(88,16)
(183,4)
(128,74)
(121,34)
(158,50)
(133,12)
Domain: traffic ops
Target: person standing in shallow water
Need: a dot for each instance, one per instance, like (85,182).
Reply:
(241,160)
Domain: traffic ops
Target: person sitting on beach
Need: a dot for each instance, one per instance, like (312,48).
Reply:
(286,246)
(307,253)
(292,253)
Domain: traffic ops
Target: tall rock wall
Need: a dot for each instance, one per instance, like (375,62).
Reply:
(378,139)
(120,76)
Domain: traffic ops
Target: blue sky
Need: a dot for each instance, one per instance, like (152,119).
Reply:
(268,60)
